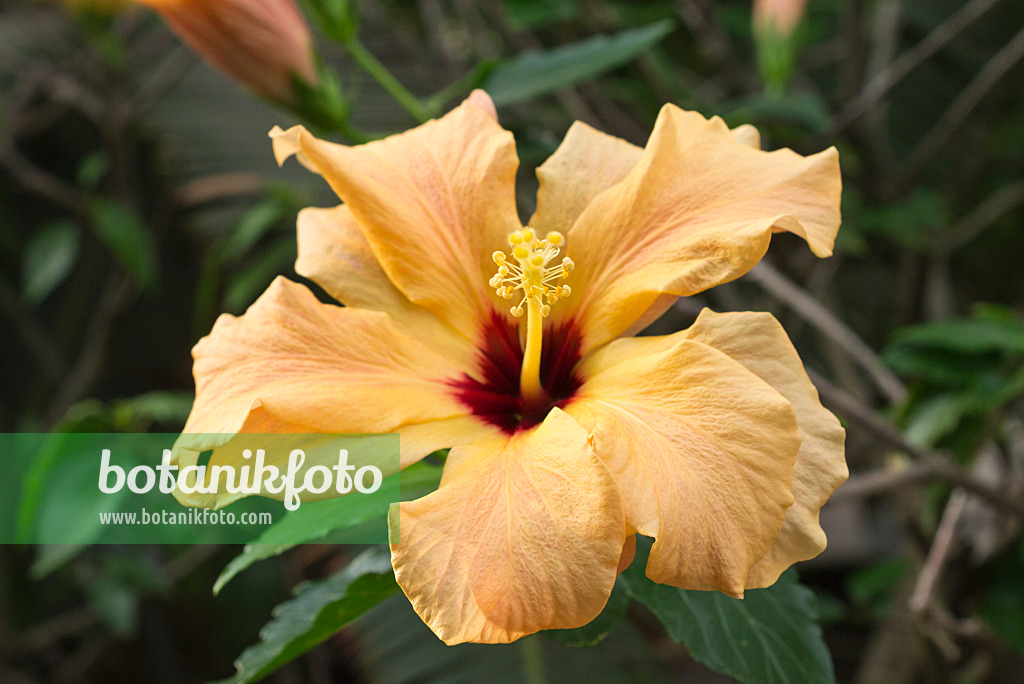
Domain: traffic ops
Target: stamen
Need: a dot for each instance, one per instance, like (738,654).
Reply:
(537,282)
(532,275)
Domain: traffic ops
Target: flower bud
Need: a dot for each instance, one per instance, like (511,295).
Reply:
(776,39)
(263,44)
(779,17)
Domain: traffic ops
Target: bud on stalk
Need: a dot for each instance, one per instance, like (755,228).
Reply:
(263,44)
(775,24)
(778,16)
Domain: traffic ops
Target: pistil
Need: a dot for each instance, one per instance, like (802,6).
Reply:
(529,378)
(541,286)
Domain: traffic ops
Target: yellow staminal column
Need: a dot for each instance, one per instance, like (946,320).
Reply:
(531,275)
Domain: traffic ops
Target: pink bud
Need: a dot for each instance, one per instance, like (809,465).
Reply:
(263,44)
(778,16)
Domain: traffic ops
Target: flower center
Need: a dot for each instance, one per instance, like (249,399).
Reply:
(539,286)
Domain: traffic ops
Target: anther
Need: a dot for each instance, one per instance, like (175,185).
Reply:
(532,276)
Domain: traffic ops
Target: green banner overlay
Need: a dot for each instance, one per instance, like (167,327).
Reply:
(118,488)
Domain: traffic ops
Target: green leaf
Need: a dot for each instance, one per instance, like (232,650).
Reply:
(979,357)
(768,637)
(316,613)
(965,336)
(52,501)
(800,109)
(92,170)
(1003,610)
(873,586)
(50,557)
(395,646)
(115,603)
(246,286)
(527,15)
(913,222)
(45,455)
(934,417)
(314,520)
(538,72)
(1003,604)
(49,257)
(162,407)
(939,367)
(254,224)
(128,237)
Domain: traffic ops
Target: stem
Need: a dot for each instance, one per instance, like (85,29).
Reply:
(355,135)
(380,73)
(529,380)
(533,660)
(818,315)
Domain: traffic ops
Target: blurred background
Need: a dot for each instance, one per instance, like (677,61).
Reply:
(139,199)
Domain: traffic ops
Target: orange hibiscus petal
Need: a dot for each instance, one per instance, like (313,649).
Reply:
(334,253)
(318,366)
(697,210)
(587,163)
(758,342)
(421,439)
(434,203)
(703,451)
(748,135)
(526,534)
(225,451)
(628,551)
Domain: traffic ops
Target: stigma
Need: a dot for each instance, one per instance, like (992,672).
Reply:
(530,273)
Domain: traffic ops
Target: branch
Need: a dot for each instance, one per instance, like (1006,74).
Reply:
(883,481)
(964,104)
(931,465)
(828,324)
(985,214)
(38,181)
(33,335)
(94,347)
(888,77)
(942,546)
(217,187)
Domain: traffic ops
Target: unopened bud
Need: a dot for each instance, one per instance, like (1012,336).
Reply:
(263,44)
(778,16)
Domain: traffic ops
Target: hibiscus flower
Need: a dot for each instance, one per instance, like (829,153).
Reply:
(513,347)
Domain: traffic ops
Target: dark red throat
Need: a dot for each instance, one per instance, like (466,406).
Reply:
(496,398)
